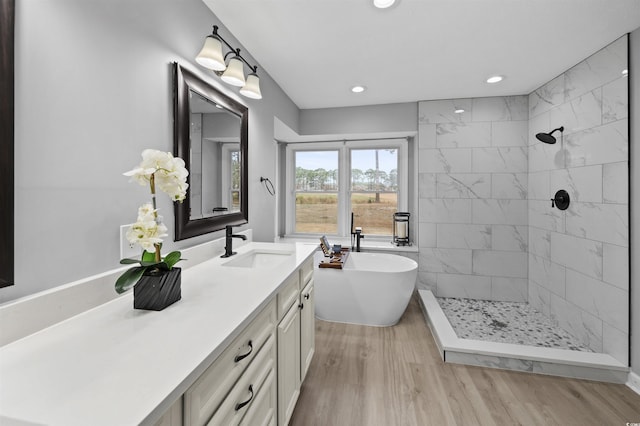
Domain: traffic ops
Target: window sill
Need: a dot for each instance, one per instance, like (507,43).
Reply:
(365,245)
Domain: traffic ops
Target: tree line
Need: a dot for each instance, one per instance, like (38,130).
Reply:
(327,180)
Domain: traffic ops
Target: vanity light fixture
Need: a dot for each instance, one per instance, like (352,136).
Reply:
(232,73)
(358,89)
(383,4)
(210,55)
(495,79)
(625,72)
(251,88)
(458,110)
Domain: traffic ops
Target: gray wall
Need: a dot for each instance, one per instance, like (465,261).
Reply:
(634,147)
(93,89)
(578,261)
(366,119)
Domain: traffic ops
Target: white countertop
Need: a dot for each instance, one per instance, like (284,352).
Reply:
(114,365)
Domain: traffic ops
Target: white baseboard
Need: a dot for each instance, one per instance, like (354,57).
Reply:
(634,382)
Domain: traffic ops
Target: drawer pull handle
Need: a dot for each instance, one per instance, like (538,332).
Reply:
(242,404)
(306,296)
(301,306)
(239,358)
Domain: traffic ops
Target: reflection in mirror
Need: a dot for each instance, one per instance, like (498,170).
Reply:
(215,159)
(211,136)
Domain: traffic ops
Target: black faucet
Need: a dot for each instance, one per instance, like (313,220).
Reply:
(229,236)
(358,234)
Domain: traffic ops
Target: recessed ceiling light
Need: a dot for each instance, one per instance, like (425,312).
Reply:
(358,89)
(383,4)
(625,72)
(494,79)
(458,110)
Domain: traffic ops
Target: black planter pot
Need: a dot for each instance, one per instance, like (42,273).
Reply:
(157,289)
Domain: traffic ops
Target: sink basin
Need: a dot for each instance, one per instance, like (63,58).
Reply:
(258,259)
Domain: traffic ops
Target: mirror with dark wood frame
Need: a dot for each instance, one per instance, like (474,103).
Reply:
(7,23)
(226,204)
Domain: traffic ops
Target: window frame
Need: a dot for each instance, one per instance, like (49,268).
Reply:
(344,180)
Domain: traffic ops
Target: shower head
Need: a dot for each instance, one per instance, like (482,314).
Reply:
(548,137)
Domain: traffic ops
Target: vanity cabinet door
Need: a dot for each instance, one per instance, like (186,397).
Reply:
(173,416)
(288,364)
(307,328)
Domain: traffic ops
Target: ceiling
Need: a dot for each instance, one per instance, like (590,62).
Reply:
(316,50)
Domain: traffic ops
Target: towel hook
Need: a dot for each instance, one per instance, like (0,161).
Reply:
(268,184)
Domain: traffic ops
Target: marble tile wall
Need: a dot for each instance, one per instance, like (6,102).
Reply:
(486,227)
(579,258)
(473,198)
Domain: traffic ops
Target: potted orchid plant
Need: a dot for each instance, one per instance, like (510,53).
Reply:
(155,280)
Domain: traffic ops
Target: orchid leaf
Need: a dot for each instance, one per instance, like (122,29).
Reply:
(148,257)
(129,278)
(128,261)
(172,258)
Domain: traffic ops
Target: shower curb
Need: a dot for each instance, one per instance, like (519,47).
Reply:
(507,356)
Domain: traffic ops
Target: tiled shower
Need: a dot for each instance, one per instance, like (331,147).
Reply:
(487,229)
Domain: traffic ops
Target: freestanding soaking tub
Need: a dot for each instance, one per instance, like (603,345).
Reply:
(370,289)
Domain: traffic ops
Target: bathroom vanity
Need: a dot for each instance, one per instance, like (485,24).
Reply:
(234,350)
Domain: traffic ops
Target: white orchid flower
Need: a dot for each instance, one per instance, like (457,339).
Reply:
(146,232)
(169,173)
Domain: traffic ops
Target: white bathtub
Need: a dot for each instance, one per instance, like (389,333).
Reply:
(371,289)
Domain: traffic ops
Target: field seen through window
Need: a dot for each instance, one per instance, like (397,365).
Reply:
(373,185)
(318,213)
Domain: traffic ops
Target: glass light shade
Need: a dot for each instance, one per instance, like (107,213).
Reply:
(211,54)
(252,88)
(234,74)
(383,4)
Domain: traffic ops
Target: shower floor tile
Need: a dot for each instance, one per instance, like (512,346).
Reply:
(506,322)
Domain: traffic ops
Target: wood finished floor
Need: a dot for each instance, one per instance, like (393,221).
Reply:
(394,376)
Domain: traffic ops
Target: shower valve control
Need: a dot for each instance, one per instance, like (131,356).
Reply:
(561,200)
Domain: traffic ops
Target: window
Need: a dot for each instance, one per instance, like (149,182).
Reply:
(231,176)
(316,192)
(328,182)
(235,181)
(374,189)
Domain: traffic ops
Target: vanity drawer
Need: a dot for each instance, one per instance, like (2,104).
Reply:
(253,386)
(288,294)
(306,272)
(263,409)
(203,398)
